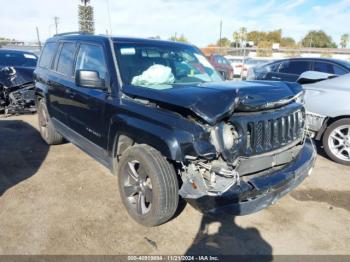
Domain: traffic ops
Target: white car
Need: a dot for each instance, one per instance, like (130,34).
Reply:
(237,64)
(328,111)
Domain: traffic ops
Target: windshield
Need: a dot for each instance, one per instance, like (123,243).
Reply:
(17,59)
(163,65)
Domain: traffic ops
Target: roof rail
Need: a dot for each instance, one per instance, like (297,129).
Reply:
(74,33)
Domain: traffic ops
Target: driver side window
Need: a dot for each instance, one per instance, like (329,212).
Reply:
(91,57)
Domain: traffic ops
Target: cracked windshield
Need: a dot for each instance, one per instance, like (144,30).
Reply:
(162,66)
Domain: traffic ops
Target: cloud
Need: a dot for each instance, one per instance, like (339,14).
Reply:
(292,4)
(198,20)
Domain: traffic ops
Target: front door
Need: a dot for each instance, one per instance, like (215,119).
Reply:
(86,113)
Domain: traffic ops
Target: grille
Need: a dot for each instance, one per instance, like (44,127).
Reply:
(268,134)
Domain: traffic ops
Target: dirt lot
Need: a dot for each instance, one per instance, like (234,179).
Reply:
(57,200)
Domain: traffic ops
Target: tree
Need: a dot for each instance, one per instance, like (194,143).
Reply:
(235,37)
(344,40)
(5,41)
(86,17)
(239,37)
(223,42)
(243,34)
(256,37)
(318,39)
(288,42)
(264,48)
(180,38)
(274,36)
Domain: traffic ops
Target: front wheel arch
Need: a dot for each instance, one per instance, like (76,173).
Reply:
(328,148)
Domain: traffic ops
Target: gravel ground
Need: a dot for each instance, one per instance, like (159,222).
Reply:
(57,200)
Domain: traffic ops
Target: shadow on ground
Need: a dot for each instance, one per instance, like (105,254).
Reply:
(227,238)
(22,152)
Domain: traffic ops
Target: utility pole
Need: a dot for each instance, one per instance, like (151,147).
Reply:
(38,37)
(56,18)
(220,33)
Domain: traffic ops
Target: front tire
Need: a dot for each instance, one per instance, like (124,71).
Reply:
(148,185)
(46,128)
(336,141)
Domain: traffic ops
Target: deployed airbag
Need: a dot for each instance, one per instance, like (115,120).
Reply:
(155,76)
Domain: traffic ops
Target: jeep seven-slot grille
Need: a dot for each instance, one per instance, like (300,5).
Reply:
(268,134)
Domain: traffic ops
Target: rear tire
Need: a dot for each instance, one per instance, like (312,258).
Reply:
(46,128)
(148,185)
(336,141)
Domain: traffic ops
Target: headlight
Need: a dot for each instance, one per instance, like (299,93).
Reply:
(224,137)
(228,136)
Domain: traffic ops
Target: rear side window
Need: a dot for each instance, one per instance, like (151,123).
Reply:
(91,57)
(294,67)
(65,61)
(329,68)
(47,55)
(322,67)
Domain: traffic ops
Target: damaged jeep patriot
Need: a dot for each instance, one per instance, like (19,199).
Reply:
(159,116)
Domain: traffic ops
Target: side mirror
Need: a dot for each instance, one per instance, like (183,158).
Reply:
(309,77)
(90,79)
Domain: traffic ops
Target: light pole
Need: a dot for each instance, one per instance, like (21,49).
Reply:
(220,33)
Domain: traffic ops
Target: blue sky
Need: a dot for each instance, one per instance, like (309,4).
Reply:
(198,20)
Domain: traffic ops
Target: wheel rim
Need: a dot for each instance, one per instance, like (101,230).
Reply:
(339,142)
(43,121)
(137,187)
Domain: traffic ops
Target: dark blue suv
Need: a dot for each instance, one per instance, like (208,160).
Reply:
(290,69)
(160,117)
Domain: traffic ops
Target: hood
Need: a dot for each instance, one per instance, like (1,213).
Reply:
(11,76)
(214,101)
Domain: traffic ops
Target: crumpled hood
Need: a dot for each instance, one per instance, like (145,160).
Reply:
(214,101)
(11,76)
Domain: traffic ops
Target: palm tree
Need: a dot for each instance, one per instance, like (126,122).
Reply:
(86,17)
(344,40)
(236,38)
(85,2)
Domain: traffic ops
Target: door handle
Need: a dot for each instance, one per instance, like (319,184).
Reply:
(70,93)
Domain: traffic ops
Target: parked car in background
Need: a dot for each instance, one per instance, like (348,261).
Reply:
(222,65)
(237,64)
(16,81)
(291,69)
(160,117)
(253,62)
(328,112)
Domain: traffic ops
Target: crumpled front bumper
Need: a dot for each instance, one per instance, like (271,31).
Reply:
(261,191)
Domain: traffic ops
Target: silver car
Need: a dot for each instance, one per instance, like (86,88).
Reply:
(327,101)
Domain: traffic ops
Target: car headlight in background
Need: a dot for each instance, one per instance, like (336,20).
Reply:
(300,98)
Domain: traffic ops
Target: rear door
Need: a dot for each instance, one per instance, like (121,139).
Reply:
(86,114)
(329,68)
(61,81)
